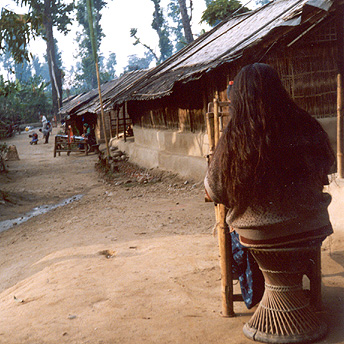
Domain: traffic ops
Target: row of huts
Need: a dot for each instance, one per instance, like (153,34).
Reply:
(166,105)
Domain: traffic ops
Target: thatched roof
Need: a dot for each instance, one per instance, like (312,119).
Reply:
(225,43)
(89,101)
(253,32)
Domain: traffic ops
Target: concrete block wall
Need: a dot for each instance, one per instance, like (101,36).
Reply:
(178,152)
(183,152)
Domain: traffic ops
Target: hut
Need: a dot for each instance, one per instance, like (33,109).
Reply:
(85,108)
(301,39)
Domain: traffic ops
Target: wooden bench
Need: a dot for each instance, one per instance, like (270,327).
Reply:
(78,144)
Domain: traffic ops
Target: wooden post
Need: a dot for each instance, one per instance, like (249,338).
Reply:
(224,237)
(225,251)
(216,119)
(125,122)
(117,122)
(340,48)
(111,112)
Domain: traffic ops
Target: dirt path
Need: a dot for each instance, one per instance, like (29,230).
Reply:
(127,263)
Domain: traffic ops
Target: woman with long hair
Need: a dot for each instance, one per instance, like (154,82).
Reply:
(271,164)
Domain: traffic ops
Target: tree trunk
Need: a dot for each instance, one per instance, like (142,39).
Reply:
(185,21)
(157,18)
(54,71)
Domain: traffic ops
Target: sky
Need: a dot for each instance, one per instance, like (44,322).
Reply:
(118,18)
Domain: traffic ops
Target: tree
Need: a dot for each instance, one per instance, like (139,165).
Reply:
(41,69)
(186,20)
(6,88)
(133,33)
(23,71)
(136,63)
(16,32)
(178,12)
(110,65)
(86,73)
(51,13)
(160,26)
(219,10)
(24,101)
(177,31)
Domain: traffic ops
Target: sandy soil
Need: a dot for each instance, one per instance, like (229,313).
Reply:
(129,262)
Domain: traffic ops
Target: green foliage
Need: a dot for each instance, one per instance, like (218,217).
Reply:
(177,30)
(136,63)
(82,83)
(16,32)
(42,17)
(41,69)
(23,102)
(110,66)
(133,33)
(7,87)
(23,71)
(60,13)
(160,26)
(219,10)
(170,33)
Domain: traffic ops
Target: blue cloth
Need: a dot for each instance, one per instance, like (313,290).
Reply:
(250,277)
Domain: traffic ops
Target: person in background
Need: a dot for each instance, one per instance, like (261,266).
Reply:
(129,131)
(46,131)
(70,134)
(49,129)
(44,122)
(89,136)
(34,138)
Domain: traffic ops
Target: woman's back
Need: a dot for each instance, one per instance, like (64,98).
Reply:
(272,160)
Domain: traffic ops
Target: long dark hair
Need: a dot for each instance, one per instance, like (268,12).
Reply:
(270,144)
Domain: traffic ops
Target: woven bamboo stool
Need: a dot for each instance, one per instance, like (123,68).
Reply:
(284,314)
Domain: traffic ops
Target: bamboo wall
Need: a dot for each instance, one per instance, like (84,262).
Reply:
(308,70)
(115,124)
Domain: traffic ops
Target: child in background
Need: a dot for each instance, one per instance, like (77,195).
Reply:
(34,137)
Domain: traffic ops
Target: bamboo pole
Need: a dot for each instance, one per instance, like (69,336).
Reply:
(339,126)
(102,111)
(95,57)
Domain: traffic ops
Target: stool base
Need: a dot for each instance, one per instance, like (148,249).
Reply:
(284,314)
(260,336)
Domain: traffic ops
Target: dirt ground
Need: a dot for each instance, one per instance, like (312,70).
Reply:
(129,262)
